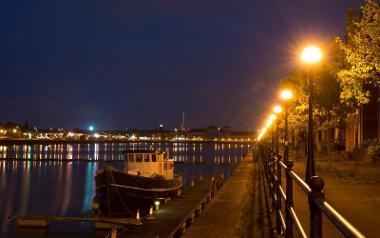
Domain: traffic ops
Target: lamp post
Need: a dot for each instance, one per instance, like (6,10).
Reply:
(272,117)
(277,110)
(310,55)
(286,95)
(268,123)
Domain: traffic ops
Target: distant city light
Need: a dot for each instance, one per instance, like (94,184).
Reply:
(96,135)
(157,204)
(91,128)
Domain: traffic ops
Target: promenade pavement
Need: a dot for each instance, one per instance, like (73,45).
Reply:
(238,209)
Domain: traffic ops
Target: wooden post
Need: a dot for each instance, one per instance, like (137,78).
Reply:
(316,184)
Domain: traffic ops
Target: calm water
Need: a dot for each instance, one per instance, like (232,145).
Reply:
(38,182)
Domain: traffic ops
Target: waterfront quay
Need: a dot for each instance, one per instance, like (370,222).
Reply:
(176,216)
(70,141)
(237,209)
(30,172)
(244,206)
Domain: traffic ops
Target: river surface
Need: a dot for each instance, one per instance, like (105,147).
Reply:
(58,179)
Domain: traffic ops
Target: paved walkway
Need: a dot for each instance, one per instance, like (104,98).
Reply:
(238,209)
(357,200)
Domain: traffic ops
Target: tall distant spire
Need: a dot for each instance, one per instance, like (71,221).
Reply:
(183,125)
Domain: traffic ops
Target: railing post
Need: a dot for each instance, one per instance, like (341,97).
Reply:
(272,181)
(289,200)
(316,185)
(278,203)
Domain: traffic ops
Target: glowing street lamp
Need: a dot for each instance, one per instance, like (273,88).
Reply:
(286,95)
(262,132)
(277,110)
(268,123)
(310,55)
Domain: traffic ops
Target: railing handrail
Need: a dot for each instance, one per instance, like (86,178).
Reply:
(302,184)
(315,195)
(339,221)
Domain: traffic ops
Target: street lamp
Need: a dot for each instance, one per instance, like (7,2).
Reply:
(262,132)
(277,110)
(272,118)
(268,123)
(286,95)
(310,55)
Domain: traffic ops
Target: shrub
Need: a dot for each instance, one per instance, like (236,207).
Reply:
(374,150)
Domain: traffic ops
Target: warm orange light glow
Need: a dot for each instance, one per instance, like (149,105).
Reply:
(277,109)
(286,94)
(268,123)
(262,133)
(272,117)
(311,54)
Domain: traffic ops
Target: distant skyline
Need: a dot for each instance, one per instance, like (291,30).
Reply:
(137,64)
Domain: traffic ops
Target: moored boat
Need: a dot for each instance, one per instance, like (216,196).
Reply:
(148,176)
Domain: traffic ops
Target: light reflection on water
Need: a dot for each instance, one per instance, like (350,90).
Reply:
(50,179)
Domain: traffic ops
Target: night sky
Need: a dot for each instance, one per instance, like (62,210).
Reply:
(135,64)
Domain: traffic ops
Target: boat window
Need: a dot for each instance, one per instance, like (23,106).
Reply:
(146,158)
(154,158)
(130,158)
(139,158)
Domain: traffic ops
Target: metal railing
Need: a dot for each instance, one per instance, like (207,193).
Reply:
(273,166)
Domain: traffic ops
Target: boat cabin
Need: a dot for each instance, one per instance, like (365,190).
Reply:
(149,163)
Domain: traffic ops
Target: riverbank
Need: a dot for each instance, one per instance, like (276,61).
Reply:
(7,142)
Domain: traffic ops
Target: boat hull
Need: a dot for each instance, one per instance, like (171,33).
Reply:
(120,194)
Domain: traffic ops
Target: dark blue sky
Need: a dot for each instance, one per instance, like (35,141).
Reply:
(135,64)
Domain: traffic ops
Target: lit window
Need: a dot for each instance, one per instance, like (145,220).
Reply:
(154,158)
(139,158)
(146,158)
(130,158)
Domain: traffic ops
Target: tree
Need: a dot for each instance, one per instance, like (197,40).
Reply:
(362,54)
